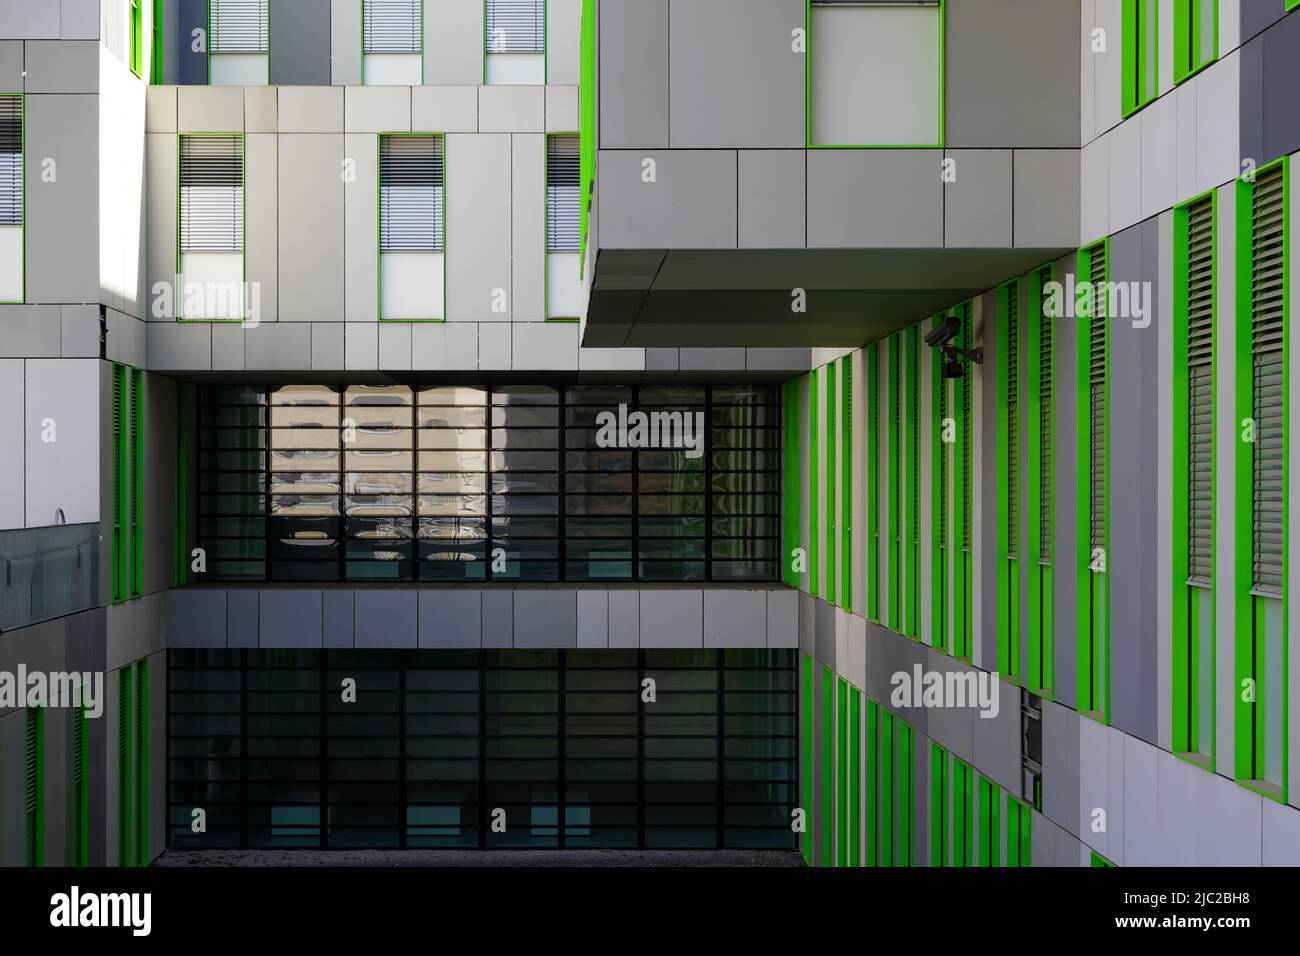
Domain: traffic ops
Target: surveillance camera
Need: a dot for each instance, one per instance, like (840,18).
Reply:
(953,368)
(941,335)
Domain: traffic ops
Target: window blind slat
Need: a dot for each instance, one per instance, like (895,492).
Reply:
(212,193)
(1267,312)
(392,26)
(1045,395)
(515,26)
(1097,400)
(238,26)
(1013,419)
(562,194)
(1200,388)
(11,161)
(411,193)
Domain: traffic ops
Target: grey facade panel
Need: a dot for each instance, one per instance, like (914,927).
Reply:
(771,199)
(690,204)
(1134,492)
(191,66)
(300,31)
(734,80)
(1281,89)
(977,205)
(875,198)
(1259,15)
(1004,89)
(633,64)
(1065,558)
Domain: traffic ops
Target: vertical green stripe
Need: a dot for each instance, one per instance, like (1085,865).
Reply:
(807,702)
(831,538)
(842,774)
(846,483)
(888,769)
(814,512)
(873,783)
(855,777)
(828,767)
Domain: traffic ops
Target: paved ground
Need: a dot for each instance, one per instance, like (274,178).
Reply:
(492,858)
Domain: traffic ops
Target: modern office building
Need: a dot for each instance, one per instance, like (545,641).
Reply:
(852,428)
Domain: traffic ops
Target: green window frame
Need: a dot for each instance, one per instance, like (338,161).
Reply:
(125,846)
(79,777)
(913,610)
(1020,833)
(587,120)
(544,52)
(963,548)
(842,772)
(940,787)
(564,158)
(121,477)
(137,482)
(142,761)
(1196,36)
(846,482)
(963,798)
(1010,484)
(941,505)
(828,767)
(1094,485)
(1193,492)
(855,776)
(156,45)
(34,786)
(1100,861)
(872,485)
(832,538)
(990,802)
(419,14)
(814,516)
(196,169)
(894,533)
(136,39)
(399,239)
(1041,376)
(1262,476)
(13,115)
(1140,67)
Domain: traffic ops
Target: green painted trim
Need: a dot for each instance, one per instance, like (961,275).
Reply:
(912,623)
(1040,677)
(846,482)
(142,762)
(808,91)
(1187,39)
(1008,556)
(807,705)
(156,45)
(1092,643)
(938,806)
(832,538)
(124,815)
(22,226)
(586,124)
(137,481)
(379,250)
(81,796)
(814,520)
(989,802)
(34,830)
(906,788)
(963,852)
(1249,734)
(1133,93)
(894,528)
(871,486)
(842,772)
(121,449)
(939,548)
(179,301)
(873,783)
(963,615)
(888,769)
(1185,625)
(828,767)
(789,480)
(855,777)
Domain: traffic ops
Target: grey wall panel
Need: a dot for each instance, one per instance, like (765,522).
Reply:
(563,42)
(242,619)
(62,263)
(385,618)
(345,42)
(1002,88)
(191,65)
(29,19)
(453,43)
(545,618)
(300,51)
(633,65)
(1250,98)
(1065,559)
(311,227)
(451,618)
(478,226)
(62,66)
(11,65)
(1258,15)
(977,205)
(1281,89)
(361,230)
(290,618)
(210,109)
(875,198)
(691,203)
(337,614)
(1061,764)
(12,480)
(771,199)
(1134,492)
(528,227)
(79,19)
(261,222)
(733,78)
(1045,202)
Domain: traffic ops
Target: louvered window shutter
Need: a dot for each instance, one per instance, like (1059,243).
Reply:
(515,26)
(1097,400)
(1046,385)
(137,481)
(124,766)
(31,784)
(410,194)
(896,438)
(238,26)
(392,26)
(1267,304)
(944,412)
(212,193)
(119,412)
(1200,390)
(1013,419)
(562,200)
(967,431)
(11,160)
(914,387)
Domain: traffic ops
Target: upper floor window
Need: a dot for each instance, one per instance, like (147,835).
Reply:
(239,42)
(563,228)
(1141,32)
(514,37)
(11,197)
(1196,36)
(411,226)
(212,226)
(392,42)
